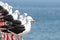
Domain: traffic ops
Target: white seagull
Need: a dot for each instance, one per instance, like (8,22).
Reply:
(6,6)
(2,4)
(16,14)
(10,9)
(27,25)
(22,18)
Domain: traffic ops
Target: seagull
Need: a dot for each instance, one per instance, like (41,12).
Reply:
(16,14)
(29,19)
(6,6)
(1,3)
(27,26)
(10,9)
(22,18)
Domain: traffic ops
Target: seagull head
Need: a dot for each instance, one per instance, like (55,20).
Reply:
(1,3)
(17,11)
(29,18)
(6,4)
(25,14)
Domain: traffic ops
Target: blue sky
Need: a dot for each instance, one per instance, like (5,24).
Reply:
(35,0)
(41,0)
(34,3)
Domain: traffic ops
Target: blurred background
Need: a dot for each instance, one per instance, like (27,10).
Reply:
(47,16)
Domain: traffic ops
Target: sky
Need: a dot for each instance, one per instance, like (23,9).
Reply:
(34,3)
(41,0)
(35,0)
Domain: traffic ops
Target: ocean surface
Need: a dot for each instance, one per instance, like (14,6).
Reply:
(47,25)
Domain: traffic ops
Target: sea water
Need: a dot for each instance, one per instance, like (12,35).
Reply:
(47,24)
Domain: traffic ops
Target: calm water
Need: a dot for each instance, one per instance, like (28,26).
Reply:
(47,25)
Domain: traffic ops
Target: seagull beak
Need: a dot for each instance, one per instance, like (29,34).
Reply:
(33,21)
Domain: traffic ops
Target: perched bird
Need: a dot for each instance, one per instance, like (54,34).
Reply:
(10,9)
(27,26)
(6,6)
(16,15)
(2,4)
(22,18)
